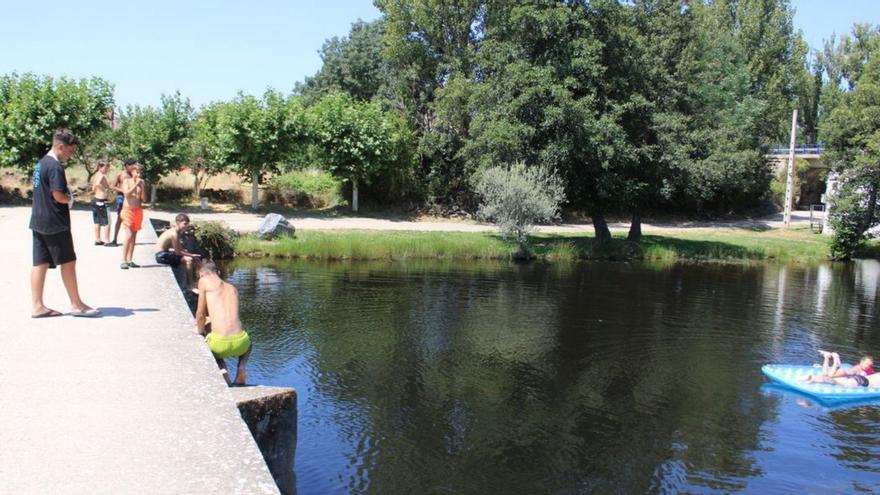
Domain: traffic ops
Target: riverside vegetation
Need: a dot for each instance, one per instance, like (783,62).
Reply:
(642,106)
(726,245)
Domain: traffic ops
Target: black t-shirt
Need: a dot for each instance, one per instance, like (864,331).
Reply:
(47,215)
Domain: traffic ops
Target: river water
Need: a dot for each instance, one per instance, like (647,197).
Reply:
(492,378)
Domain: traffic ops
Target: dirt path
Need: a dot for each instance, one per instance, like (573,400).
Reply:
(249,222)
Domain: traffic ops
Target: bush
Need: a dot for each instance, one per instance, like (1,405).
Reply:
(213,240)
(516,198)
(310,188)
(847,222)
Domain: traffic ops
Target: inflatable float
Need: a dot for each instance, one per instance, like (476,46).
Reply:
(793,377)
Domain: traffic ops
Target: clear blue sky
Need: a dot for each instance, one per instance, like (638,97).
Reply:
(211,50)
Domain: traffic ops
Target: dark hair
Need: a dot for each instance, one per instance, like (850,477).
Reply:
(181,217)
(209,267)
(65,136)
(129,162)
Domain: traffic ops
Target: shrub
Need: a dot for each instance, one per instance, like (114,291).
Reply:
(517,197)
(311,188)
(847,222)
(213,240)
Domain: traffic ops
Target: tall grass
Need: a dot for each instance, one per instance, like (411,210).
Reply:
(721,245)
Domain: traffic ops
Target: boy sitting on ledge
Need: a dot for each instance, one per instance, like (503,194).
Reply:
(170,252)
(227,339)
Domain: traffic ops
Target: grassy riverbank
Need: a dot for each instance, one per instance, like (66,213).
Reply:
(702,244)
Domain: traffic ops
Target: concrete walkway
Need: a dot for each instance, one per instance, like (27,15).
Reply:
(249,222)
(129,403)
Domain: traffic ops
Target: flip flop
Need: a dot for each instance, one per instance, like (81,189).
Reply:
(89,313)
(49,313)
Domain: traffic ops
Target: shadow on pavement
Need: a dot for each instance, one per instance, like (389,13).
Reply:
(116,312)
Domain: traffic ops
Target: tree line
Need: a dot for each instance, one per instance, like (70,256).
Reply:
(637,106)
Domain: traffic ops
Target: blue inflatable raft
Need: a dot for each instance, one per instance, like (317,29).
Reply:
(793,377)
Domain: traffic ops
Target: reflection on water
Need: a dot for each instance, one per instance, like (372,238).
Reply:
(601,377)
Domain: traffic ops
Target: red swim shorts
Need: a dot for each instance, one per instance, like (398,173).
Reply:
(132,218)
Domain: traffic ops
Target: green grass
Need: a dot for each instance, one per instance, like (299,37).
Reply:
(720,245)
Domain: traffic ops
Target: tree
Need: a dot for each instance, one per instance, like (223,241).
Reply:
(518,197)
(158,138)
(32,107)
(255,135)
(209,150)
(355,140)
(851,134)
(352,64)
(431,49)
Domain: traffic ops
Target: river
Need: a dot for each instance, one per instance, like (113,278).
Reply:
(435,377)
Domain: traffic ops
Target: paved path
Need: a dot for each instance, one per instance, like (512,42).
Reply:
(129,403)
(248,222)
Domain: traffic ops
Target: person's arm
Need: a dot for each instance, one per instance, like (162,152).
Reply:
(60,197)
(126,190)
(143,191)
(201,311)
(117,186)
(178,247)
(58,185)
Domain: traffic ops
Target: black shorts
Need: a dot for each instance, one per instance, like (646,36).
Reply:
(54,249)
(168,258)
(99,212)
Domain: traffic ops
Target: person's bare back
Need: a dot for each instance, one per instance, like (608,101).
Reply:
(222,305)
(227,338)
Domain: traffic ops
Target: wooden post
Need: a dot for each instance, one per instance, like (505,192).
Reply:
(255,191)
(354,195)
(789,182)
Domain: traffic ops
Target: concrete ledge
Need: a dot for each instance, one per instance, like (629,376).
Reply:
(270,413)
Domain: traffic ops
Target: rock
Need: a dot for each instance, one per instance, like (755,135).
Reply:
(274,225)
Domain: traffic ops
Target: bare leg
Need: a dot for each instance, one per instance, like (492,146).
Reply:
(222,365)
(38,281)
(118,225)
(68,276)
(240,373)
(132,240)
(106,236)
(836,366)
(97,233)
(825,358)
(127,234)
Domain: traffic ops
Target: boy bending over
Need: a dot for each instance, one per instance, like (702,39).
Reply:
(227,339)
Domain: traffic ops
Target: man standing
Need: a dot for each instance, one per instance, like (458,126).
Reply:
(100,188)
(132,213)
(117,186)
(50,223)
(219,300)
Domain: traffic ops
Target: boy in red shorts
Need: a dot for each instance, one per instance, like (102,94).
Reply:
(132,213)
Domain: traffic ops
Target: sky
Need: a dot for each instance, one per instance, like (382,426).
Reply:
(210,50)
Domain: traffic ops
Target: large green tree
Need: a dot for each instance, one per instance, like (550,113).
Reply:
(352,64)
(255,135)
(157,137)
(356,141)
(431,48)
(851,133)
(32,107)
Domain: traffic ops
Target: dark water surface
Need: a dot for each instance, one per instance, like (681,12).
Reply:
(587,378)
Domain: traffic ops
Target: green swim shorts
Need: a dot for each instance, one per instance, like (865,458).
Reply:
(227,347)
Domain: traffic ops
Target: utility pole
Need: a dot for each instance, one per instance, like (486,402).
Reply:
(789,182)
